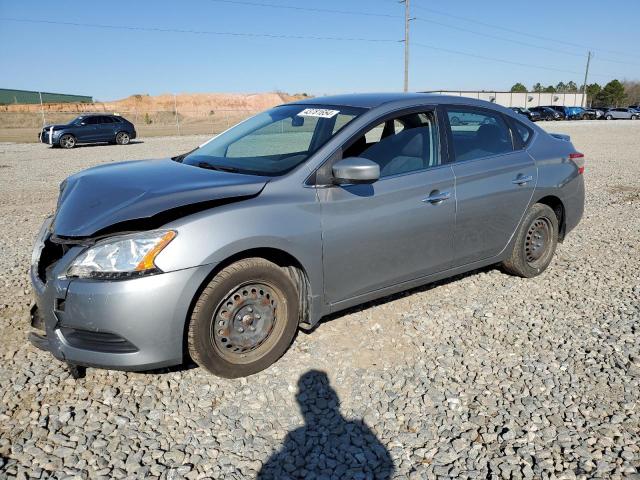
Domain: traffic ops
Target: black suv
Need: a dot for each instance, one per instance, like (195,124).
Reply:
(89,129)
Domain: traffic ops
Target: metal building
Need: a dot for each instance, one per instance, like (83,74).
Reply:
(8,97)
(521,99)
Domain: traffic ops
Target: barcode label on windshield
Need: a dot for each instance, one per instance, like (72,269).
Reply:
(318,112)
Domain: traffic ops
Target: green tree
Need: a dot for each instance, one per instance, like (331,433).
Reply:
(561,87)
(518,87)
(571,87)
(612,94)
(538,87)
(549,89)
(592,92)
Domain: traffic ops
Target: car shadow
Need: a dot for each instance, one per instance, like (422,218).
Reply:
(327,445)
(101,144)
(396,296)
(189,364)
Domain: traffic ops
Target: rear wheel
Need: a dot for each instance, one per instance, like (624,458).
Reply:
(122,138)
(67,141)
(245,319)
(535,243)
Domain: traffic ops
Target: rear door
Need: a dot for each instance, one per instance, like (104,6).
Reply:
(105,130)
(495,179)
(399,228)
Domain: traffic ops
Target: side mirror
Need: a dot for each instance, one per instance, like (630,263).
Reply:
(354,170)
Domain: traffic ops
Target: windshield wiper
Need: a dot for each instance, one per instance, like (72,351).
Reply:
(221,168)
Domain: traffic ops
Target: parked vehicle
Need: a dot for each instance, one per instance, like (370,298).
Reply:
(547,113)
(596,113)
(533,116)
(562,111)
(621,114)
(577,113)
(89,129)
(301,211)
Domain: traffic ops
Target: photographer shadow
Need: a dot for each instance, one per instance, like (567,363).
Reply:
(328,445)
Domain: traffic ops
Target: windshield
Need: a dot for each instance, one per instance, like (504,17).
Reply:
(76,121)
(273,142)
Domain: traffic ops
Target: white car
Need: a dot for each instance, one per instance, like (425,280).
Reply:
(621,114)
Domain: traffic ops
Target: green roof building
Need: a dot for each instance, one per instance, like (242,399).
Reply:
(8,97)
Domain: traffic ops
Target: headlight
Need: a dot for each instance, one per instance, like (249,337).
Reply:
(127,256)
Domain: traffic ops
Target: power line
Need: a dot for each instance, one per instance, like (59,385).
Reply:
(282,36)
(500,60)
(306,9)
(475,32)
(200,32)
(518,32)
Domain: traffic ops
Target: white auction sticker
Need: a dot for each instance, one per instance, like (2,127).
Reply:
(318,112)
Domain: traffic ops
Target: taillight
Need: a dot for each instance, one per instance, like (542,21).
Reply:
(578,159)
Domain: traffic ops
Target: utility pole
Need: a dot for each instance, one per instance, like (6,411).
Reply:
(584,85)
(406,45)
(175,109)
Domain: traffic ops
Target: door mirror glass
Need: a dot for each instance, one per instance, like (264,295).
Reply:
(353,170)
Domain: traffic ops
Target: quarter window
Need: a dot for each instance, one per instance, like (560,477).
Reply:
(401,145)
(523,132)
(478,133)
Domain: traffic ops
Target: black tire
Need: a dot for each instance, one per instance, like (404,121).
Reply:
(535,243)
(634,117)
(67,141)
(123,138)
(608,117)
(232,337)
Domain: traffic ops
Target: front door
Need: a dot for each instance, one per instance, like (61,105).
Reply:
(399,228)
(494,180)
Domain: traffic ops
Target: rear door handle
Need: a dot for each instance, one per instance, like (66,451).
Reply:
(437,197)
(522,180)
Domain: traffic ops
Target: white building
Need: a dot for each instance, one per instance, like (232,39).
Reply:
(525,100)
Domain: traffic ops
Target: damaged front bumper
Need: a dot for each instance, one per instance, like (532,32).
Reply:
(135,324)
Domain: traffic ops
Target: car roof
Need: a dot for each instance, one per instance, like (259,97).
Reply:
(372,100)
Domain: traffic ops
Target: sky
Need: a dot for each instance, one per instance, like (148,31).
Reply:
(187,46)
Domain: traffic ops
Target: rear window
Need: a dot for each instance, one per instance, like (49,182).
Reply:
(478,133)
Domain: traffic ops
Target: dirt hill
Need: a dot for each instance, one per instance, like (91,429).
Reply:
(189,104)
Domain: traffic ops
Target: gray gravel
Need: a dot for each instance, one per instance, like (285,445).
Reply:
(485,375)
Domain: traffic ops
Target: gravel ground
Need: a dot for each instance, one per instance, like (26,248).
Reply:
(484,376)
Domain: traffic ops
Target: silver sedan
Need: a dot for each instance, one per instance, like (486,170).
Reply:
(307,209)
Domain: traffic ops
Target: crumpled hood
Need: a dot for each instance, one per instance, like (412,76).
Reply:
(103,196)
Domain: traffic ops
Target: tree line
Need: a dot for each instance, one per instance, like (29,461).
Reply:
(613,94)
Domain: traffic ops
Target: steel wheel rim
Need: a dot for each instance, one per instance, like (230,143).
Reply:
(244,320)
(67,142)
(124,138)
(538,240)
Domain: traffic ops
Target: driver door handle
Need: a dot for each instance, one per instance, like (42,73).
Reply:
(522,180)
(437,197)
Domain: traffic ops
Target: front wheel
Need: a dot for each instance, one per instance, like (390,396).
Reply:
(122,138)
(67,141)
(245,318)
(608,117)
(535,243)
(634,117)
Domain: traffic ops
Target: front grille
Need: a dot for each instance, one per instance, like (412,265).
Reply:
(97,341)
(51,253)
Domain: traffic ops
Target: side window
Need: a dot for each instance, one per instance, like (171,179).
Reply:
(91,121)
(478,133)
(405,144)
